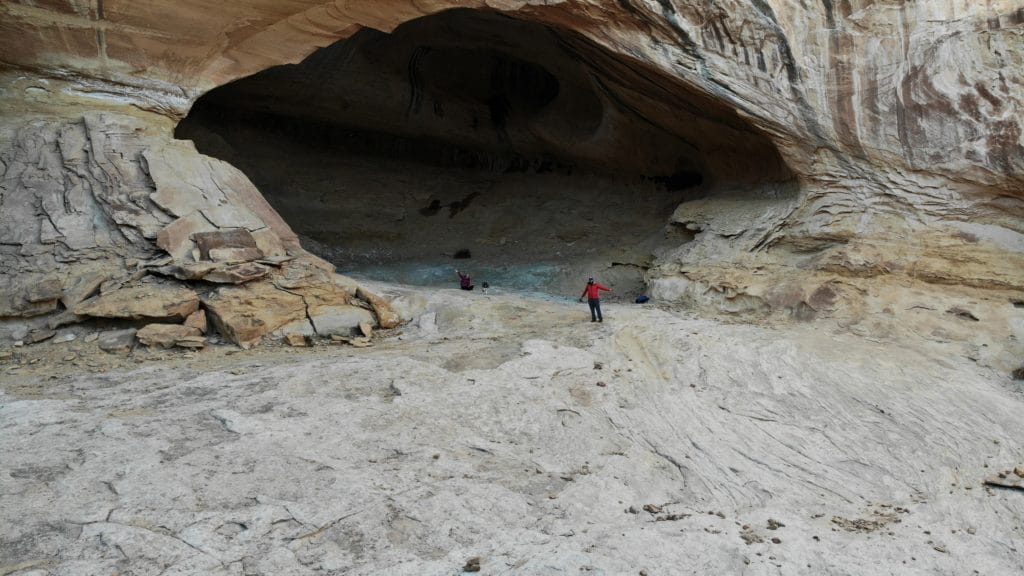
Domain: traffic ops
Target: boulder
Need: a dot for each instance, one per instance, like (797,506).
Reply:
(236,273)
(215,272)
(184,270)
(29,295)
(176,238)
(198,321)
(82,285)
(366,328)
(65,318)
(244,314)
(39,335)
(235,254)
(239,238)
(168,335)
(326,294)
(386,316)
(116,341)
(301,326)
(193,342)
(269,243)
(296,340)
(343,320)
(144,302)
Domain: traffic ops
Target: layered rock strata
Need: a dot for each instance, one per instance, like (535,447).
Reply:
(96,211)
(900,123)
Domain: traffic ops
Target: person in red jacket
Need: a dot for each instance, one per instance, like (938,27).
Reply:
(592,292)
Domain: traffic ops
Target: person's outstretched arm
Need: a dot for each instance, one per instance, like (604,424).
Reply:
(603,287)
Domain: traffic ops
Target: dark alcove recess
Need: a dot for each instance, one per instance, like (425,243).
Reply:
(545,156)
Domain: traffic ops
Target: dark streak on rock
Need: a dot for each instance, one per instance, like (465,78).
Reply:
(687,43)
(996,103)
(793,74)
(830,17)
(632,109)
(718,35)
(628,7)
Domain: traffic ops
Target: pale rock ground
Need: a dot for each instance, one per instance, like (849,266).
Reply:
(514,430)
(901,123)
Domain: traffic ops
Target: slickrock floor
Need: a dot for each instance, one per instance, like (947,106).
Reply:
(516,431)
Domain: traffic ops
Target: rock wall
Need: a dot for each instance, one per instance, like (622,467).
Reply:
(929,84)
(900,120)
(102,216)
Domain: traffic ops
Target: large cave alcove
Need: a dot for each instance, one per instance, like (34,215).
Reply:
(539,154)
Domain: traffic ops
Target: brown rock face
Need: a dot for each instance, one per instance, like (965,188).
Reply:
(245,314)
(29,295)
(386,316)
(170,335)
(198,321)
(142,302)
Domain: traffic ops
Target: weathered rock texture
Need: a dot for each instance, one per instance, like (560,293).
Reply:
(500,429)
(837,141)
(90,206)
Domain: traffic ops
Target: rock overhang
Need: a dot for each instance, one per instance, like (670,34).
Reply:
(504,86)
(894,117)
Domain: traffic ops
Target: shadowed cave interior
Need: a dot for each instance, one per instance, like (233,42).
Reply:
(542,155)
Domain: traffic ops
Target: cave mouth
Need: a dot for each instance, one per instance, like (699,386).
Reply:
(538,154)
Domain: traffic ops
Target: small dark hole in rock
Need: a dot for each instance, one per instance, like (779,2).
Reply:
(1018,374)
(962,314)
(462,254)
(680,180)
(1017,303)
(682,232)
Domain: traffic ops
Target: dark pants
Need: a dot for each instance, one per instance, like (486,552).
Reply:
(595,309)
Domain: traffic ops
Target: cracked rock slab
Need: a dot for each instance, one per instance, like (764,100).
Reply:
(246,313)
(148,301)
(170,335)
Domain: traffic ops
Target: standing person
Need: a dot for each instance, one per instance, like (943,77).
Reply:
(464,282)
(592,292)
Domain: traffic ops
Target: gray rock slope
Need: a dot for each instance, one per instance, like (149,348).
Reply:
(518,432)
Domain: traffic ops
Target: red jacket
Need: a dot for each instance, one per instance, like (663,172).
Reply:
(591,291)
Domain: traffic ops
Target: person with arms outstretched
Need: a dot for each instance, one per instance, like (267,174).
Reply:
(464,282)
(592,292)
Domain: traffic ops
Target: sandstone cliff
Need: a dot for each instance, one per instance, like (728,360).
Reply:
(898,125)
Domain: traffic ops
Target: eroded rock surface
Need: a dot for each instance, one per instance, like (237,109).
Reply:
(91,207)
(898,123)
(170,335)
(893,209)
(150,302)
(515,431)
